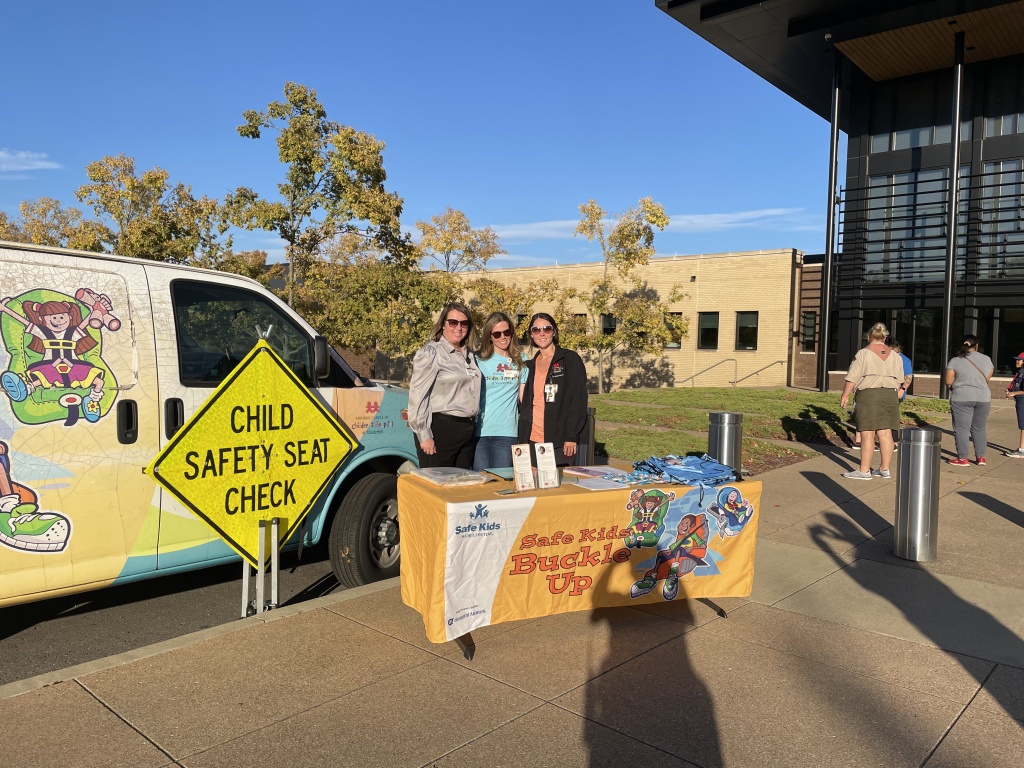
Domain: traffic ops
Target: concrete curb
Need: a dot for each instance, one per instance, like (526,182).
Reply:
(98,665)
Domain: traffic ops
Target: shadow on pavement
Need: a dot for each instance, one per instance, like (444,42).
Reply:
(1004,510)
(944,617)
(656,698)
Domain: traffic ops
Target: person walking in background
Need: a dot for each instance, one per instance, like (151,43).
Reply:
(500,361)
(970,400)
(554,407)
(1016,391)
(444,392)
(874,374)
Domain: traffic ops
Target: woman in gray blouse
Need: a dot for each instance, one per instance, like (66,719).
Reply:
(970,399)
(444,393)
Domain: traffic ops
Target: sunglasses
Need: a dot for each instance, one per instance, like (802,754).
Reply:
(453,323)
(542,329)
(499,334)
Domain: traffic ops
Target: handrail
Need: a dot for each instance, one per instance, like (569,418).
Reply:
(777,362)
(698,373)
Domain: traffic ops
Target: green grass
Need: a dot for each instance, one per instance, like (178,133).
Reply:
(779,414)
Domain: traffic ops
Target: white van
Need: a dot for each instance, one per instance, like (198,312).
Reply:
(102,359)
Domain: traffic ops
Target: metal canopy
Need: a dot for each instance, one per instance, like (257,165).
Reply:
(784,41)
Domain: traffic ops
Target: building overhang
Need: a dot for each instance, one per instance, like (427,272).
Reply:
(789,42)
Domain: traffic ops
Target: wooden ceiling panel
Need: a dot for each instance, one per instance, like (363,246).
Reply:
(990,34)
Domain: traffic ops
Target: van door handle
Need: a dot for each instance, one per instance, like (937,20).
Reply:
(127,422)
(174,416)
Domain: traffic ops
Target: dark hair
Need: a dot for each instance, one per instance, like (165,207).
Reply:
(438,329)
(969,343)
(515,352)
(550,319)
(893,344)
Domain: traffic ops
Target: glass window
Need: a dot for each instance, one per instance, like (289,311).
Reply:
(675,325)
(746,330)
(707,330)
(1009,340)
(808,328)
(217,326)
(608,324)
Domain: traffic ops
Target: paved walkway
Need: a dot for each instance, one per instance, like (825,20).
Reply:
(842,656)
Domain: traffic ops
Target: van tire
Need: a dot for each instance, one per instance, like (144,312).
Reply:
(364,540)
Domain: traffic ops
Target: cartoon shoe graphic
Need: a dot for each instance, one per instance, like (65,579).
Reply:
(91,411)
(14,386)
(671,588)
(642,587)
(25,529)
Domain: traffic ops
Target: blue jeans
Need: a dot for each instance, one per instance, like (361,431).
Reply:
(493,452)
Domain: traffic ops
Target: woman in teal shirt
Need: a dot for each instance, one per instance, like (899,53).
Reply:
(501,362)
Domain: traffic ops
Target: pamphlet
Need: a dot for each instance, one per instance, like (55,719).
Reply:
(547,470)
(502,473)
(522,467)
(593,471)
(599,484)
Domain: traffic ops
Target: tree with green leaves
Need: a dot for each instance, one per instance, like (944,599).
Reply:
(454,246)
(46,222)
(620,311)
(148,217)
(334,183)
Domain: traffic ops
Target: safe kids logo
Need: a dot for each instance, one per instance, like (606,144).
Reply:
(56,370)
(477,525)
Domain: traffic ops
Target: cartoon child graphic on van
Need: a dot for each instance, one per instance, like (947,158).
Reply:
(649,510)
(60,364)
(22,525)
(731,511)
(685,554)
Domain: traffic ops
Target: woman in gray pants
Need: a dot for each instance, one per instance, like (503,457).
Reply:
(970,399)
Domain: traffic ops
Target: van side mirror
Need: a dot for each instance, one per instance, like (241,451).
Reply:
(321,358)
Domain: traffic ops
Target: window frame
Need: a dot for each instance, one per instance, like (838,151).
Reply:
(756,326)
(701,329)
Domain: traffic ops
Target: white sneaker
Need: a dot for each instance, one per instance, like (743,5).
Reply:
(882,473)
(857,475)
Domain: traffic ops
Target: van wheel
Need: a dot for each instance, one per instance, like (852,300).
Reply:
(364,538)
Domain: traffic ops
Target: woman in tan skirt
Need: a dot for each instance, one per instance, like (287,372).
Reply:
(875,375)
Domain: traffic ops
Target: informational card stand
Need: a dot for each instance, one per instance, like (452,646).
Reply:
(522,466)
(547,470)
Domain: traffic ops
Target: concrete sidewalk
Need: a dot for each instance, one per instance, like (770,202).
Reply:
(842,656)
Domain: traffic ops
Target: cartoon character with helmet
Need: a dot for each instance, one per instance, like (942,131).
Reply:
(648,523)
(731,511)
(682,557)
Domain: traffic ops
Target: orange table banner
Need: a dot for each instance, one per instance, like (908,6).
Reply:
(471,558)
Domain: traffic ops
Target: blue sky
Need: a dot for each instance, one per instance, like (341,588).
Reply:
(514,113)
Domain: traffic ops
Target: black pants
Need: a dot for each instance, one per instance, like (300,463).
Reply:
(454,442)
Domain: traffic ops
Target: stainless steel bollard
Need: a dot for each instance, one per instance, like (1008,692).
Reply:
(725,440)
(915,535)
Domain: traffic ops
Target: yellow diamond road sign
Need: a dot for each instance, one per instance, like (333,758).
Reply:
(262,446)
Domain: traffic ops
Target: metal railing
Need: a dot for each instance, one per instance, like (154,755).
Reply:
(732,360)
(777,362)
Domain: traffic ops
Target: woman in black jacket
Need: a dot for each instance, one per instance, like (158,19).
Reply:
(554,406)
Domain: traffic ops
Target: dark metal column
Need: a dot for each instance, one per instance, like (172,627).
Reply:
(952,203)
(830,224)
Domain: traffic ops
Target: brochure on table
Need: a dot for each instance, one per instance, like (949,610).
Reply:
(522,467)
(547,469)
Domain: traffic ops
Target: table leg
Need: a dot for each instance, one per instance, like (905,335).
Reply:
(715,606)
(466,645)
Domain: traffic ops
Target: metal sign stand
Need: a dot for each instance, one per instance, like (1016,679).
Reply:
(261,604)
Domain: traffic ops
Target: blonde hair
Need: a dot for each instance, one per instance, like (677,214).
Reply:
(877,332)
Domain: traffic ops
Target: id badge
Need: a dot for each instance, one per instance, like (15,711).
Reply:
(511,373)
(549,392)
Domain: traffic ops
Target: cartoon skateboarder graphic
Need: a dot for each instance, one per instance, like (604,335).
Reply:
(648,523)
(731,511)
(59,336)
(22,525)
(686,553)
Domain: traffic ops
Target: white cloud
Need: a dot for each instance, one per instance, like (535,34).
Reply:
(715,222)
(20,160)
(787,218)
